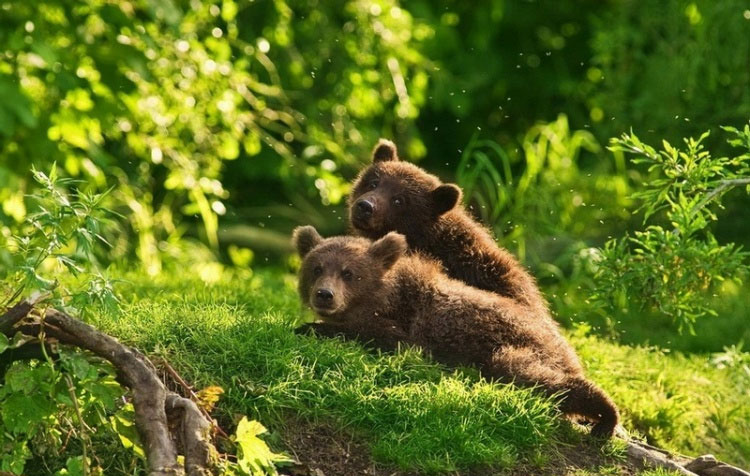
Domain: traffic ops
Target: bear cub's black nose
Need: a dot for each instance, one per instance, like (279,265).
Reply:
(324,295)
(364,207)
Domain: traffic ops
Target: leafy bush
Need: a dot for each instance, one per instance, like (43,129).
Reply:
(673,267)
(202,110)
(148,93)
(72,394)
(59,237)
(159,97)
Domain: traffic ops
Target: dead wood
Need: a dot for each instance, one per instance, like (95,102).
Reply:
(641,454)
(17,312)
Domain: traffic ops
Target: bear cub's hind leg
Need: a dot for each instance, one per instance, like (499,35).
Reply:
(578,395)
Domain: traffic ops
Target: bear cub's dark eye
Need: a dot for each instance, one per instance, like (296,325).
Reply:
(398,201)
(317,271)
(373,185)
(347,275)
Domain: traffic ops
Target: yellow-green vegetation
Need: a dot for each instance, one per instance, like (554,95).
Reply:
(692,404)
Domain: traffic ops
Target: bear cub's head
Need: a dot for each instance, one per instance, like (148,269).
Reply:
(340,273)
(392,195)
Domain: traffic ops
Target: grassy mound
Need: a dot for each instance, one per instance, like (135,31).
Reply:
(413,413)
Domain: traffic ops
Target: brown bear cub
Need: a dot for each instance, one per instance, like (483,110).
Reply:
(391,195)
(373,291)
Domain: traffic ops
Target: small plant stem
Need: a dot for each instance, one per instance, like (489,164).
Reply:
(84,434)
(723,184)
(14,296)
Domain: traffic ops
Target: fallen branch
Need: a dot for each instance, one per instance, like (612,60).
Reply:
(195,434)
(149,393)
(18,312)
(641,455)
(155,407)
(708,465)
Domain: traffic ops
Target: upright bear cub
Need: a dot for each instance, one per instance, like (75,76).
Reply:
(371,290)
(391,195)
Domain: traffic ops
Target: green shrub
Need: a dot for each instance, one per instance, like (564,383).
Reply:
(542,201)
(675,263)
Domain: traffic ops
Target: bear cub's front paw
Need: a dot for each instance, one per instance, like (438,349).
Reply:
(307,329)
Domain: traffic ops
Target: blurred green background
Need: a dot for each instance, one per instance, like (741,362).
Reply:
(222,125)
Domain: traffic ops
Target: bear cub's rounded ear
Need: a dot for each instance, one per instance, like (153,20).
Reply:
(305,238)
(445,197)
(384,151)
(388,249)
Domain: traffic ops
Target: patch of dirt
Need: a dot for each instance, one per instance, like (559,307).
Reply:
(324,451)
(583,458)
(321,450)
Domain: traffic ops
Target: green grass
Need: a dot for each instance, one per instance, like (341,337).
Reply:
(413,413)
(658,472)
(694,404)
(416,414)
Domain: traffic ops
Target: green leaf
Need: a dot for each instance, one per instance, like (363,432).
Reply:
(254,456)
(228,10)
(22,414)
(4,342)
(73,467)
(104,391)
(53,172)
(229,148)
(78,365)
(20,378)
(122,423)
(15,459)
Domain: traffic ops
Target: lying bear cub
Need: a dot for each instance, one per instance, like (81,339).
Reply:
(392,195)
(374,292)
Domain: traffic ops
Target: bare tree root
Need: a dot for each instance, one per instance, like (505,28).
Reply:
(172,375)
(17,312)
(157,410)
(195,434)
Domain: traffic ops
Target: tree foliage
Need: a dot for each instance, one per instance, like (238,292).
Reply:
(666,68)
(229,111)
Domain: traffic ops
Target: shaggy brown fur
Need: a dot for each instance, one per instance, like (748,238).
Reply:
(371,290)
(391,195)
